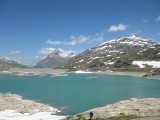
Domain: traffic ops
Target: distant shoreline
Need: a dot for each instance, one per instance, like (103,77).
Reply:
(64,72)
(135,74)
(34,71)
(126,73)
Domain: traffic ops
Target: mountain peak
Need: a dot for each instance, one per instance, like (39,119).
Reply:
(57,58)
(134,36)
(61,53)
(131,40)
(54,53)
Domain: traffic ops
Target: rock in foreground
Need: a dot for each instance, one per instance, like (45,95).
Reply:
(13,107)
(131,107)
(15,102)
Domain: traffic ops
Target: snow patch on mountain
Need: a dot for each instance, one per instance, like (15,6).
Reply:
(142,64)
(81,60)
(109,63)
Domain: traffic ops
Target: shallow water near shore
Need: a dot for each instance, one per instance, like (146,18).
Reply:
(76,93)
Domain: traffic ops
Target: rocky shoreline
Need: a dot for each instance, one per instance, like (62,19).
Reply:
(36,72)
(110,72)
(14,107)
(133,107)
(135,74)
(10,101)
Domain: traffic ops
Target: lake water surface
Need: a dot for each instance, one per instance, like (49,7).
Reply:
(75,93)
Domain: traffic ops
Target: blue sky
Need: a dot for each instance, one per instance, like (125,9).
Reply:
(30,29)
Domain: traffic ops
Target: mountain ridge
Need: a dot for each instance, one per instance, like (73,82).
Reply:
(122,50)
(6,64)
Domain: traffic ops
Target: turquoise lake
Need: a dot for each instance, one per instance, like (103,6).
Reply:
(75,93)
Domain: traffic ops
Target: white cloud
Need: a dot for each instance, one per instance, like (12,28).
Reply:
(15,52)
(78,40)
(73,41)
(157,19)
(52,42)
(115,28)
(46,51)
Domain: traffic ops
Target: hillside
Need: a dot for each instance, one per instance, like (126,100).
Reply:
(6,64)
(117,53)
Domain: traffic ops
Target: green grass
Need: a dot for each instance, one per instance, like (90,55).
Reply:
(112,118)
(122,118)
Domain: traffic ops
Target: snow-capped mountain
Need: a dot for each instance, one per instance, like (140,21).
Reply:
(61,54)
(124,44)
(6,64)
(132,40)
(107,53)
(55,59)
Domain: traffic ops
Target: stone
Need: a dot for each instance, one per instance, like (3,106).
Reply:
(132,107)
